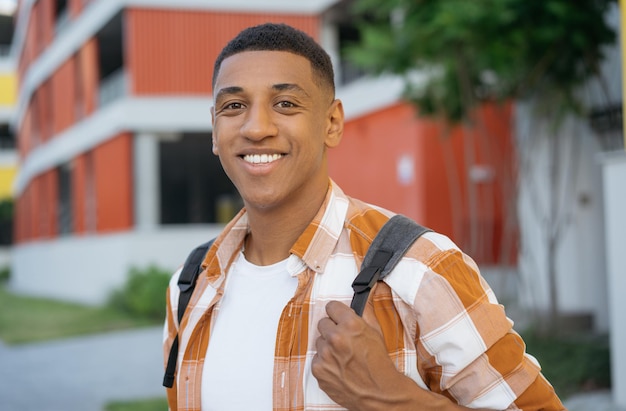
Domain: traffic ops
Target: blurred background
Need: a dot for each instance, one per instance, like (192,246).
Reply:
(496,122)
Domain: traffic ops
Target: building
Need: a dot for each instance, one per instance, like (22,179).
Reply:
(114,138)
(8,155)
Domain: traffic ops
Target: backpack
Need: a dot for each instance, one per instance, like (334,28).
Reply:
(389,246)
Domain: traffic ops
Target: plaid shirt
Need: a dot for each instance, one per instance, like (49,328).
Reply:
(442,324)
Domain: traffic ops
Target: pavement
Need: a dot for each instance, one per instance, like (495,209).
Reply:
(85,373)
(82,374)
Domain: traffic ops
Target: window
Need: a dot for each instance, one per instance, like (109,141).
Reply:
(193,186)
(111,61)
(607,122)
(61,15)
(6,34)
(64,210)
(341,19)
(7,138)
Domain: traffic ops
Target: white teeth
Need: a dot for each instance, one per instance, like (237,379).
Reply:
(261,158)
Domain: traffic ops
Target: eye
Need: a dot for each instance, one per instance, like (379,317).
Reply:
(285,104)
(233,106)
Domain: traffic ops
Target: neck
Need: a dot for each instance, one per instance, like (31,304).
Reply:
(273,232)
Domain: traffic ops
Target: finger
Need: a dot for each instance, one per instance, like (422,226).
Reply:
(326,326)
(339,312)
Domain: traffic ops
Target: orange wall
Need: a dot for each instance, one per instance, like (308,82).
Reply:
(365,165)
(36,214)
(173,51)
(113,180)
(63,96)
(88,79)
(37,206)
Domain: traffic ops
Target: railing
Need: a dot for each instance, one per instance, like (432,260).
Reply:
(350,72)
(5,50)
(113,87)
(607,123)
(62,21)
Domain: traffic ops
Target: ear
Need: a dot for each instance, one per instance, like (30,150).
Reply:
(335,119)
(213,137)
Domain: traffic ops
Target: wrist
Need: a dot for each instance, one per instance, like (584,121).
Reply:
(403,394)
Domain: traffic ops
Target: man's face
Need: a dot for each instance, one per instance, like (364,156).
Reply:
(272,123)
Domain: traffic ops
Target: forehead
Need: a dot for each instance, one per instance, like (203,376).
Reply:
(264,68)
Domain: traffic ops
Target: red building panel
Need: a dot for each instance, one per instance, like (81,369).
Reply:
(87,79)
(48,206)
(419,168)
(25,134)
(113,182)
(172,52)
(365,163)
(63,94)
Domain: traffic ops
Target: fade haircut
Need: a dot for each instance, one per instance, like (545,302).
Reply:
(280,37)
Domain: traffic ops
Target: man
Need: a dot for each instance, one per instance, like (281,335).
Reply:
(269,326)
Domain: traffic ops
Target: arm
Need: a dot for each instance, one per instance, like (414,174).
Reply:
(170,329)
(352,366)
(466,347)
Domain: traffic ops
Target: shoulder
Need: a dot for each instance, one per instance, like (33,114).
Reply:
(363,222)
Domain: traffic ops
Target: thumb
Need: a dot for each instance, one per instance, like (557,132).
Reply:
(369,316)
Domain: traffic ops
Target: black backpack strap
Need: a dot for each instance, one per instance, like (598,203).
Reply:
(186,284)
(389,246)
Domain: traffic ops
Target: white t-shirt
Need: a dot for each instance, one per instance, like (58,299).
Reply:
(238,368)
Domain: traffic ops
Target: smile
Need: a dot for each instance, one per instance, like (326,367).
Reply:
(261,158)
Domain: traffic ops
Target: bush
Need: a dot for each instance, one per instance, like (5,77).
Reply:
(574,363)
(6,209)
(143,294)
(5,274)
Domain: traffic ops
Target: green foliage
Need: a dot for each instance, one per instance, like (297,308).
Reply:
(5,274)
(572,364)
(6,209)
(151,404)
(143,294)
(484,50)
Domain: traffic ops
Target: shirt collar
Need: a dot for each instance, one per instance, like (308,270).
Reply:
(314,246)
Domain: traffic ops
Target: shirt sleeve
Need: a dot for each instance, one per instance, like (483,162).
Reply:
(467,347)
(170,330)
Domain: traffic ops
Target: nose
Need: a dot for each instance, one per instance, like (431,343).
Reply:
(258,123)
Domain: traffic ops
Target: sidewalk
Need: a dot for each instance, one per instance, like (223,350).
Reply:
(592,401)
(85,373)
(81,374)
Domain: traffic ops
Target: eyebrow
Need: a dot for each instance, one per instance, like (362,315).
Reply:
(229,90)
(290,87)
(277,87)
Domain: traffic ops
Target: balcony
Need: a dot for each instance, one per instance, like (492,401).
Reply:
(113,87)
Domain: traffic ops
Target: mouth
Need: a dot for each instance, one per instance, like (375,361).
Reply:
(261,158)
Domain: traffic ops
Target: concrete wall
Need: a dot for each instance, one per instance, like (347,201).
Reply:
(580,265)
(87,269)
(614,172)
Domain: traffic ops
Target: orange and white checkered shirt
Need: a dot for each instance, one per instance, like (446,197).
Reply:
(441,322)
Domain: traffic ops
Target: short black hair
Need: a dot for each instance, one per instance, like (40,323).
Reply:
(280,37)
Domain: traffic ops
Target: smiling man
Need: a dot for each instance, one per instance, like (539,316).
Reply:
(269,324)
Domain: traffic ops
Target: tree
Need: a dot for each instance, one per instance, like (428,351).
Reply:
(484,51)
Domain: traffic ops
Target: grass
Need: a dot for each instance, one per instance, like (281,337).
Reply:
(30,319)
(150,404)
